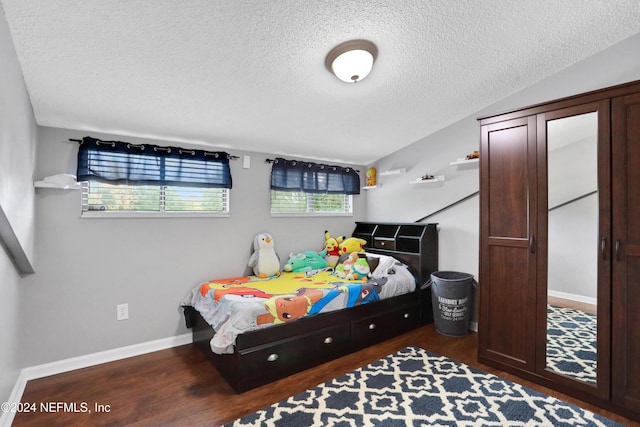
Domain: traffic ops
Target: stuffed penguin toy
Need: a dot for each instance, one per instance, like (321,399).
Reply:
(264,260)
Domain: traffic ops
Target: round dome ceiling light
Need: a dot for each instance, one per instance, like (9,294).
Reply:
(352,61)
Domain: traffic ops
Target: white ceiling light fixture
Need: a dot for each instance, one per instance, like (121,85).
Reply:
(352,61)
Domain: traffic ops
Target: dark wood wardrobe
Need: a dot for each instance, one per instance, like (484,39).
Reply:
(560,218)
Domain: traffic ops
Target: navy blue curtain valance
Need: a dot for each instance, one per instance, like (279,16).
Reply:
(118,162)
(307,177)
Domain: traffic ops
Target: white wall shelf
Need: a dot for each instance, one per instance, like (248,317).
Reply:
(387,172)
(437,178)
(392,172)
(465,162)
(44,184)
(61,181)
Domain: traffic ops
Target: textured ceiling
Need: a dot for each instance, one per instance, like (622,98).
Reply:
(250,75)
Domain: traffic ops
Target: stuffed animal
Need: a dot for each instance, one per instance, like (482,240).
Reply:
(359,270)
(305,261)
(340,271)
(352,244)
(332,246)
(371,177)
(264,260)
(343,269)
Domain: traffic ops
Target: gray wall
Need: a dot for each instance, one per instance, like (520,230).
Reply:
(87,266)
(573,249)
(17,161)
(84,267)
(573,227)
(396,200)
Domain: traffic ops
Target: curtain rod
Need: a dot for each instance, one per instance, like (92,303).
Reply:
(319,164)
(79,141)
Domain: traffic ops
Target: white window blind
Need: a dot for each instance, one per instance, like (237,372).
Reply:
(101,199)
(288,203)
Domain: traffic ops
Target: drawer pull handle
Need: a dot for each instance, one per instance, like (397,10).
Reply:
(372,326)
(381,243)
(407,315)
(328,340)
(272,357)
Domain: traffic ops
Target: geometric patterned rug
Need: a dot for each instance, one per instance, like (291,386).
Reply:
(571,343)
(415,387)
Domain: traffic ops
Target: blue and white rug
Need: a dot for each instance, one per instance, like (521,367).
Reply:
(415,387)
(571,343)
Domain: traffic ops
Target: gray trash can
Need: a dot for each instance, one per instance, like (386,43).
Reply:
(450,300)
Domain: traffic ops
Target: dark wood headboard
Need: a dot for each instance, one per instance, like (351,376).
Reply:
(415,244)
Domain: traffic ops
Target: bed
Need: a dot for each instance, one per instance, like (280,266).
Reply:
(254,352)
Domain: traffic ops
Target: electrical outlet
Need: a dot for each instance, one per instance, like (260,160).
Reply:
(122,311)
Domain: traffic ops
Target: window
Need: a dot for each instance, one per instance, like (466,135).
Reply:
(299,203)
(306,188)
(120,178)
(100,199)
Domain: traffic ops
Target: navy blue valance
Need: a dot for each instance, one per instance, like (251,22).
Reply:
(118,162)
(308,177)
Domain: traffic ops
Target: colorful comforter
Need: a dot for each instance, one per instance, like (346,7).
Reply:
(240,304)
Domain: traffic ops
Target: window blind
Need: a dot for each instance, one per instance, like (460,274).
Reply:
(118,162)
(308,177)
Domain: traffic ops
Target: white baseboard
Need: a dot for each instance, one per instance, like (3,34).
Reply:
(473,326)
(6,418)
(573,297)
(66,365)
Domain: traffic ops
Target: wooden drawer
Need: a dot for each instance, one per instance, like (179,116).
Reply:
(384,243)
(295,354)
(384,325)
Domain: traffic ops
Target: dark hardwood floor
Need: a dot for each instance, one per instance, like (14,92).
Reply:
(179,387)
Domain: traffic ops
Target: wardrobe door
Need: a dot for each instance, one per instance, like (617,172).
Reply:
(625,386)
(507,242)
(574,245)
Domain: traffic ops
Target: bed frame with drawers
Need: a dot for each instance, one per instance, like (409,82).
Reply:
(266,355)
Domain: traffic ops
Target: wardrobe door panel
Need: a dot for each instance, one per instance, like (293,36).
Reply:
(507,268)
(626,265)
(509,337)
(508,193)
